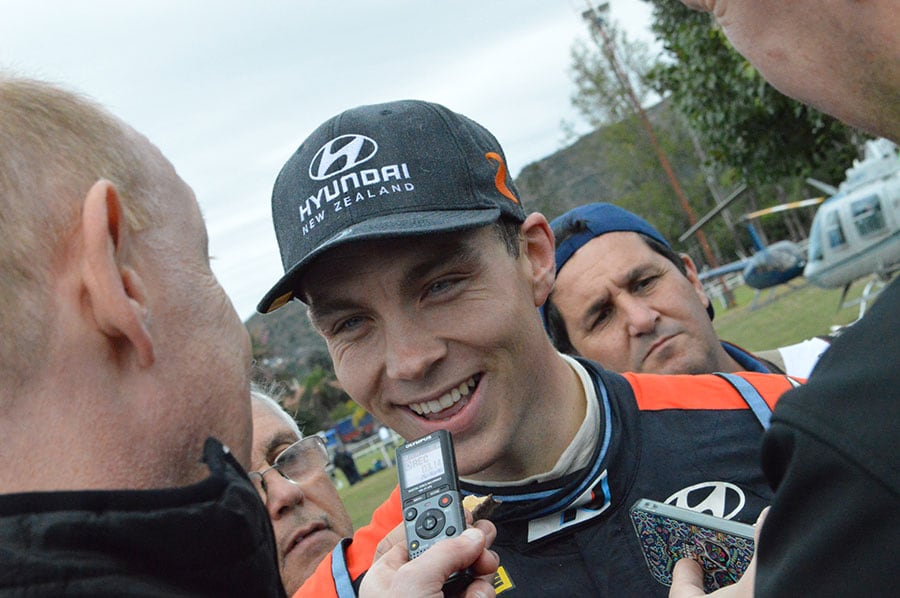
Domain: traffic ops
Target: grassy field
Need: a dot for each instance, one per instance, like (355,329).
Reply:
(789,315)
(363,497)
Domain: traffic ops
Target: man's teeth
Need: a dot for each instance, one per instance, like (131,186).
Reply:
(447,400)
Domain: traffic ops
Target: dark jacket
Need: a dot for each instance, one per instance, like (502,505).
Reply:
(212,538)
(832,453)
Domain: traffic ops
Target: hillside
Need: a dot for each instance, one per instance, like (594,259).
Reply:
(285,334)
(617,164)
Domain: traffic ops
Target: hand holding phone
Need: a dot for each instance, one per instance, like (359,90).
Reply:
(430,497)
(723,548)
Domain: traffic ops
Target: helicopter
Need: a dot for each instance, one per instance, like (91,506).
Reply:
(770,265)
(856,231)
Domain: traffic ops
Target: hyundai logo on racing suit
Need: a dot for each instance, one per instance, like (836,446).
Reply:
(720,499)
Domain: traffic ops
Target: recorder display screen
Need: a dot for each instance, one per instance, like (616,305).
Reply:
(422,463)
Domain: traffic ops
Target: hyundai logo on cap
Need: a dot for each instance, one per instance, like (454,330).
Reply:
(349,150)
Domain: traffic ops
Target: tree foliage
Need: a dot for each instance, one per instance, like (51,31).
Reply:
(617,164)
(720,125)
(740,119)
(599,95)
(312,389)
(610,76)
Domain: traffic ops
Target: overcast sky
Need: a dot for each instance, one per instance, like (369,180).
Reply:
(229,88)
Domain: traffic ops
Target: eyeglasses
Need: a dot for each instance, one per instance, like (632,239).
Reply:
(301,459)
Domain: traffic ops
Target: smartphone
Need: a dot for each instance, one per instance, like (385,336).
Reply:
(429,493)
(668,533)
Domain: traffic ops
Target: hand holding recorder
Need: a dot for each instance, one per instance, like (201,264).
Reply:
(430,498)
(394,574)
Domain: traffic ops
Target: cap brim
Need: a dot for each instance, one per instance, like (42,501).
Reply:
(409,224)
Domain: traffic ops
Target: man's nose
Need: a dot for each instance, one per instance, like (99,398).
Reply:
(411,349)
(282,494)
(641,318)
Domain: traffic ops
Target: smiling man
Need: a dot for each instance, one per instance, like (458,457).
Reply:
(400,228)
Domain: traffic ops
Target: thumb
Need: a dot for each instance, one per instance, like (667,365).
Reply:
(757,527)
(687,579)
(451,555)
(425,575)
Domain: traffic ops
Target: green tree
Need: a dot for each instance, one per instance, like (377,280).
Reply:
(611,86)
(741,120)
(320,391)
(721,125)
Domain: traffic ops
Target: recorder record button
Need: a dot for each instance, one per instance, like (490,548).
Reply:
(445,500)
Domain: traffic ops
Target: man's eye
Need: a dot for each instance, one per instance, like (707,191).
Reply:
(276,452)
(348,324)
(645,283)
(601,318)
(440,286)
(288,459)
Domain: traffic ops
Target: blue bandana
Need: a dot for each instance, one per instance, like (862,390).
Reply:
(598,219)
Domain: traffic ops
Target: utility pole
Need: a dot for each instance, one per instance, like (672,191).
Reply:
(598,25)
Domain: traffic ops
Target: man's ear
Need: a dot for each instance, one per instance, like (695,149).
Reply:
(541,253)
(691,273)
(115,290)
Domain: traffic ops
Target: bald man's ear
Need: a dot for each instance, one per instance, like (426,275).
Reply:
(115,290)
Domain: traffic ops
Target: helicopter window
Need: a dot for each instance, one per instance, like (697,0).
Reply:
(833,230)
(815,242)
(867,215)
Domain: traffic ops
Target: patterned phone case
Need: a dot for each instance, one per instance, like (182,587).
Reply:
(723,548)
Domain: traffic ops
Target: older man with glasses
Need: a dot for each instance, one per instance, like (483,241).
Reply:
(289,473)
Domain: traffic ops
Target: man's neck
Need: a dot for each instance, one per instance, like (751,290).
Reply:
(553,420)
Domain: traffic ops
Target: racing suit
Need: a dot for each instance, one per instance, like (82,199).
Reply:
(687,440)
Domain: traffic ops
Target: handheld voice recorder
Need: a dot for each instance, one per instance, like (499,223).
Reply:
(429,493)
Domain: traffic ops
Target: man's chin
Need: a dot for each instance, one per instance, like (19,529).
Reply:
(301,561)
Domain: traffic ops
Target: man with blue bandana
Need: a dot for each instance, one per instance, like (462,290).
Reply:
(624,298)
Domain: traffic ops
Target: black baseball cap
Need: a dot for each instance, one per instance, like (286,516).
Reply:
(397,169)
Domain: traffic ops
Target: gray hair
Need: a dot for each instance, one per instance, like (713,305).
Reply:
(270,396)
